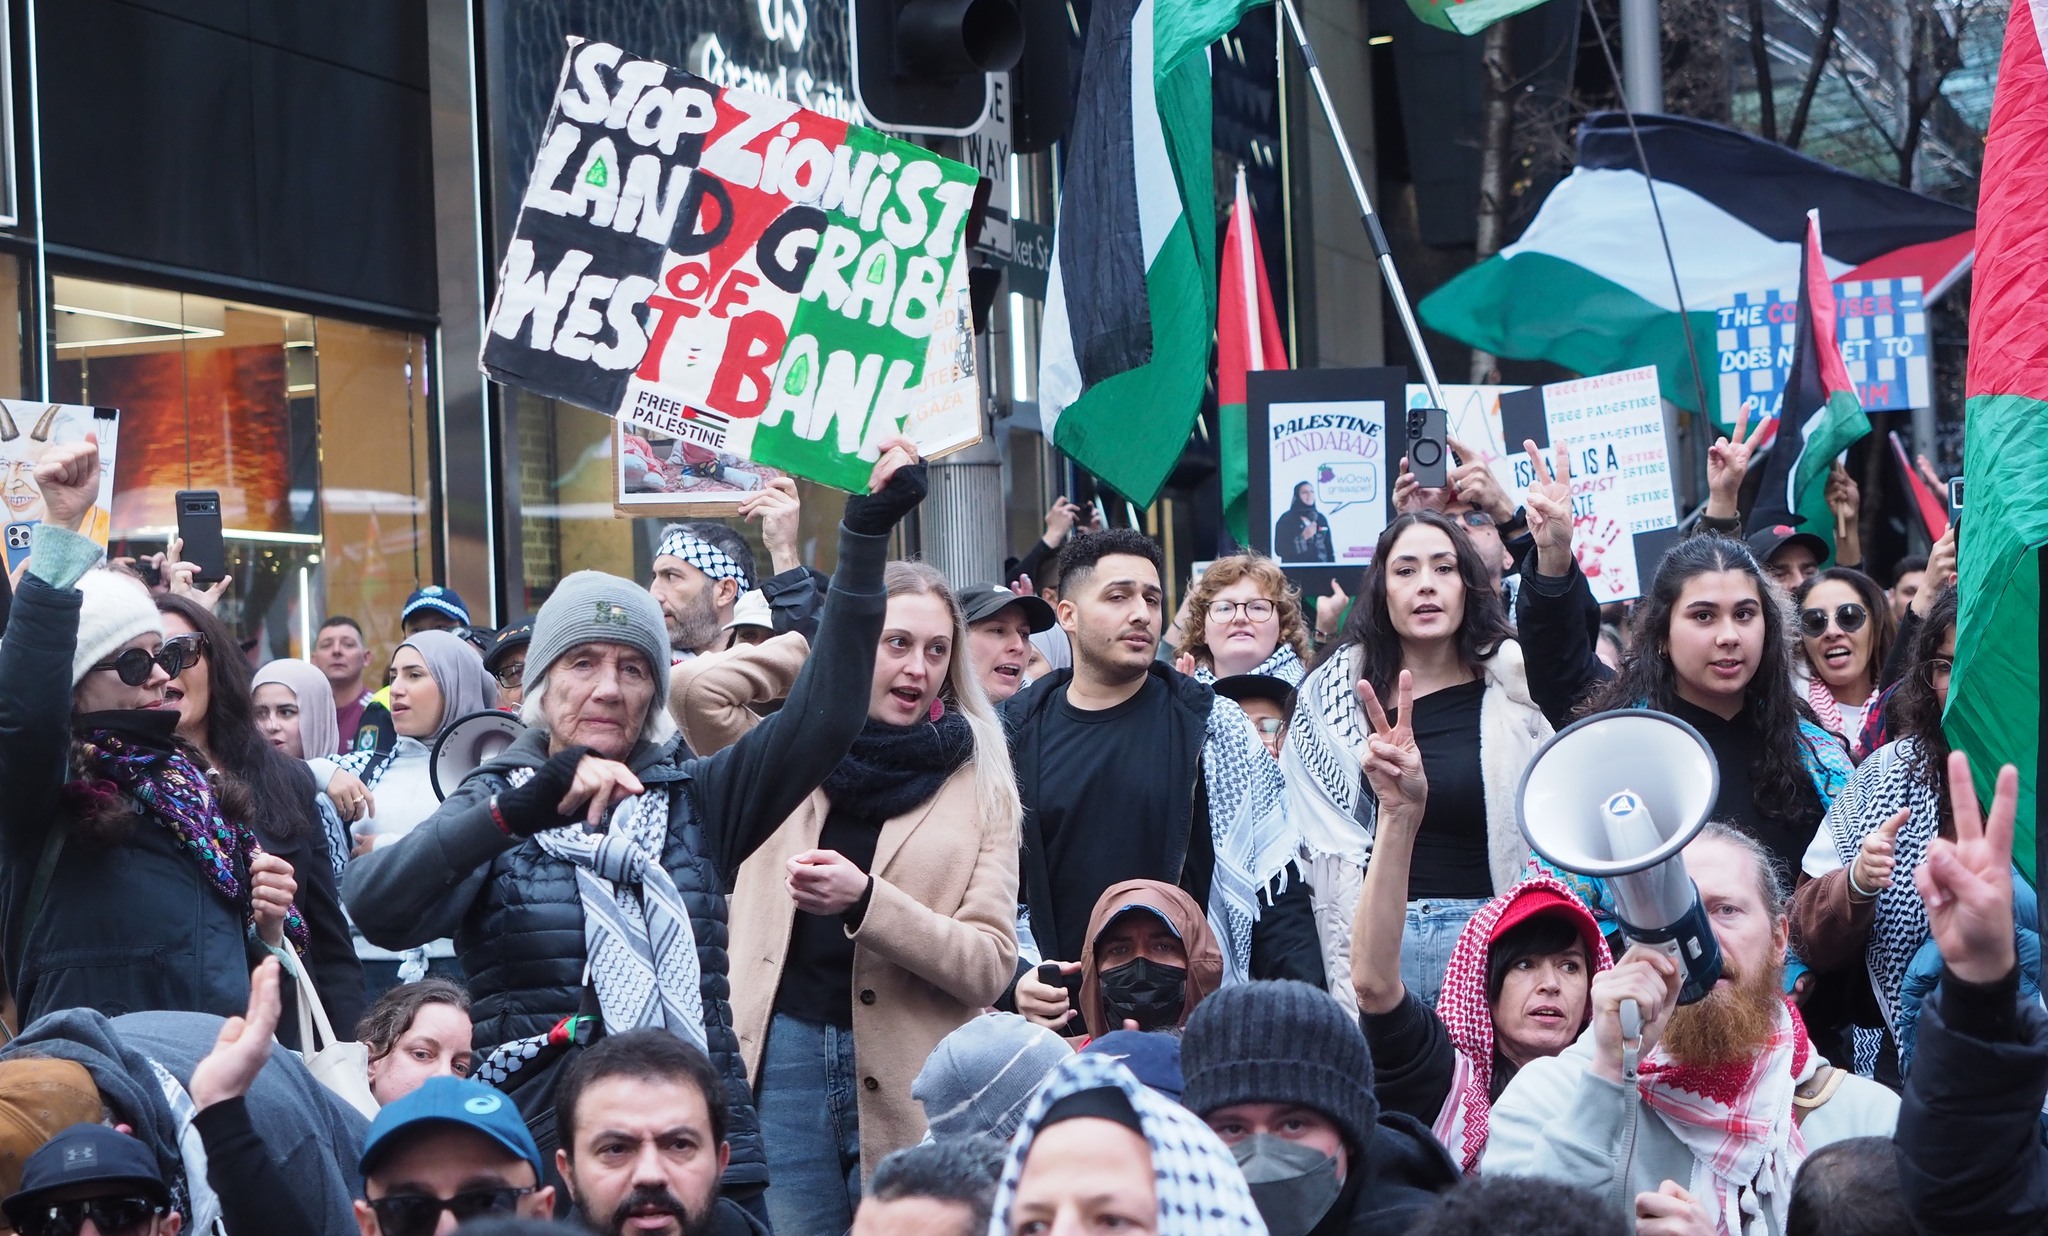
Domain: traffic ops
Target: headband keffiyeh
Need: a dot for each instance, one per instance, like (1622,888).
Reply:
(682,543)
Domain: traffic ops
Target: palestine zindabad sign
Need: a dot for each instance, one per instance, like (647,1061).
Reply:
(727,268)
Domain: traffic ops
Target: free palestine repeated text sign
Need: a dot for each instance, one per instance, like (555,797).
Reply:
(729,269)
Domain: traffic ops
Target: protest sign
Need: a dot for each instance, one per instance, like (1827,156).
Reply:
(1880,323)
(1624,514)
(657,476)
(27,431)
(1321,469)
(729,269)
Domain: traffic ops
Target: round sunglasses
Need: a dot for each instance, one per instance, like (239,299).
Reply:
(176,654)
(1849,616)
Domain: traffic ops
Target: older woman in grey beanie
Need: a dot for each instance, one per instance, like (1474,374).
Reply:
(584,872)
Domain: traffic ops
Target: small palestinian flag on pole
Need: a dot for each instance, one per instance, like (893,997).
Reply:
(1820,417)
(1247,338)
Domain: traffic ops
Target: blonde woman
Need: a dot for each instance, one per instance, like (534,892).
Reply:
(1244,617)
(881,916)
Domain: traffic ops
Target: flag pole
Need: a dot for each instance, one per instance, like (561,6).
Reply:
(1371,219)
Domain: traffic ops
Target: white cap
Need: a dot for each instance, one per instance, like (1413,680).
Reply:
(751,610)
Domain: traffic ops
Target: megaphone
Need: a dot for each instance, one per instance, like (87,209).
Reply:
(1617,796)
(467,742)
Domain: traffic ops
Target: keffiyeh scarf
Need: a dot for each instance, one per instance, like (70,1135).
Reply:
(177,794)
(640,946)
(1321,761)
(1201,1191)
(1249,828)
(1284,664)
(1737,1121)
(1462,1006)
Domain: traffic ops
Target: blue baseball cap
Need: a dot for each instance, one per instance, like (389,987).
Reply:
(455,1101)
(435,597)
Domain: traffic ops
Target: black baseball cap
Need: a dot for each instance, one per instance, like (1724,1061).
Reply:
(509,639)
(87,1154)
(1242,687)
(982,601)
(1767,541)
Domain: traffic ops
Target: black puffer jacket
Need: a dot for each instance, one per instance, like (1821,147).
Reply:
(514,911)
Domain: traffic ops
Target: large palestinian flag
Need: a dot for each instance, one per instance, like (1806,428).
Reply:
(1587,285)
(1994,701)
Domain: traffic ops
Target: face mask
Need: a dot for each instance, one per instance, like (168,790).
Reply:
(1293,1185)
(1145,992)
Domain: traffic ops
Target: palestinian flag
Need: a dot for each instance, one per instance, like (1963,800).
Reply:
(1994,702)
(1930,506)
(1587,287)
(1247,338)
(1130,306)
(1820,416)
(1467,16)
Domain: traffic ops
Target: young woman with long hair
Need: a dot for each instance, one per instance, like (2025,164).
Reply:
(1845,637)
(1428,606)
(881,916)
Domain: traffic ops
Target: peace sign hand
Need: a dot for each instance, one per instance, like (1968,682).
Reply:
(1548,504)
(1966,884)
(1393,763)
(1728,462)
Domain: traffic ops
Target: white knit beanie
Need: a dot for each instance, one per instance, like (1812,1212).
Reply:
(117,609)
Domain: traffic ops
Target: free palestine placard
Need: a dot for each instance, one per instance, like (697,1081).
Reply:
(728,269)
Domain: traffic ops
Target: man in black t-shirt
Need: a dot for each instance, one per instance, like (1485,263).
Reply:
(1129,770)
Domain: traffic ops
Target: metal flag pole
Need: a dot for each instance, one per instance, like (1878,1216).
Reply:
(1373,231)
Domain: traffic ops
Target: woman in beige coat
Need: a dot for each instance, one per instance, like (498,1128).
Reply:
(878,918)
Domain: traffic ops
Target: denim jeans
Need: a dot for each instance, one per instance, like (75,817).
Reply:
(810,1124)
(1427,939)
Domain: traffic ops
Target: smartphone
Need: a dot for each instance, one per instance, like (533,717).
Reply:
(1049,974)
(1955,499)
(1428,453)
(199,528)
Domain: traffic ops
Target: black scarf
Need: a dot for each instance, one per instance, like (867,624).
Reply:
(893,768)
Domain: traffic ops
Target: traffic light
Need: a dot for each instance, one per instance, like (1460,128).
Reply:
(922,66)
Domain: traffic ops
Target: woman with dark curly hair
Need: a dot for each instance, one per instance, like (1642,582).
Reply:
(1244,617)
(1428,606)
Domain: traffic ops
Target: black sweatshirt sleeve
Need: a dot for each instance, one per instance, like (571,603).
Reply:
(1563,662)
(35,710)
(1412,1059)
(254,1194)
(746,791)
(1033,562)
(795,597)
(1284,940)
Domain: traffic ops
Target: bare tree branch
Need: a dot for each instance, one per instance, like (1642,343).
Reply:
(1760,56)
(1823,47)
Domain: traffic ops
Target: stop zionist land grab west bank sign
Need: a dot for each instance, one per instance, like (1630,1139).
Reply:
(727,268)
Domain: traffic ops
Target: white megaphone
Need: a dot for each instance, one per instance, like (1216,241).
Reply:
(1617,796)
(467,742)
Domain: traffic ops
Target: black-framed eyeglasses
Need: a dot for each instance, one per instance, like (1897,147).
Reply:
(114,1216)
(1257,609)
(1936,671)
(176,655)
(1849,616)
(511,676)
(417,1214)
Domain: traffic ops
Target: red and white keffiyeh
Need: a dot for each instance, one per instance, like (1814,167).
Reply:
(1462,1006)
(1737,1119)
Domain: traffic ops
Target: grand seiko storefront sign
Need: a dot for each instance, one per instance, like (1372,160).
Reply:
(792,49)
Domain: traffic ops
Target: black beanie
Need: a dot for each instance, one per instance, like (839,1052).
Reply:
(1280,1041)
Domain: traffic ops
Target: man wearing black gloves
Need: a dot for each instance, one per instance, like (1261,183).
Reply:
(621,923)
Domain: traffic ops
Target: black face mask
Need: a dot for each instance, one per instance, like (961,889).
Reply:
(1145,992)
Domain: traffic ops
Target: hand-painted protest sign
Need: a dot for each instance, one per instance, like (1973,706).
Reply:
(1624,513)
(1880,323)
(27,432)
(728,269)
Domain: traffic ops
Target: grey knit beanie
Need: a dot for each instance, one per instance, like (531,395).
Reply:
(1279,1041)
(591,607)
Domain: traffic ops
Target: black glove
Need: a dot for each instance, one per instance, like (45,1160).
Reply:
(875,514)
(536,806)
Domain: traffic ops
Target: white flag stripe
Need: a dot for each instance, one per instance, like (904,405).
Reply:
(1158,192)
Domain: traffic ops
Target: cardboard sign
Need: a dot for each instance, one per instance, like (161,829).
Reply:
(731,270)
(1624,514)
(27,431)
(1881,325)
(1322,469)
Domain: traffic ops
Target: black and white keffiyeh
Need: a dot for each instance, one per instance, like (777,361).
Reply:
(1248,827)
(640,947)
(1284,664)
(1200,1189)
(680,542)
(1321,760)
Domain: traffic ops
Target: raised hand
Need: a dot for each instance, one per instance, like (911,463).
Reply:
(780,512)
(1409,496)
(243,1045)
(1966,884)
(1330,612)
(1060,519)
(1941,572)
(68,475)
(1393,763)
(1873,869)
(1474,483)
(1548,503)
(1646,976)
(1728,462)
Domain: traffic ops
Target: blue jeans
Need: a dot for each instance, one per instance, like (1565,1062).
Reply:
(810,1125)
(1427,939)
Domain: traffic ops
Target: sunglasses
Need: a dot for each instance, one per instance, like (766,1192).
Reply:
(176,655)
(418,1214)
(1850,617)
(114,1216)
(510,676)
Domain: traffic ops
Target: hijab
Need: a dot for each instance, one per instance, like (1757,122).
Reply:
(319,728)
(1205,958)
(458,670)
